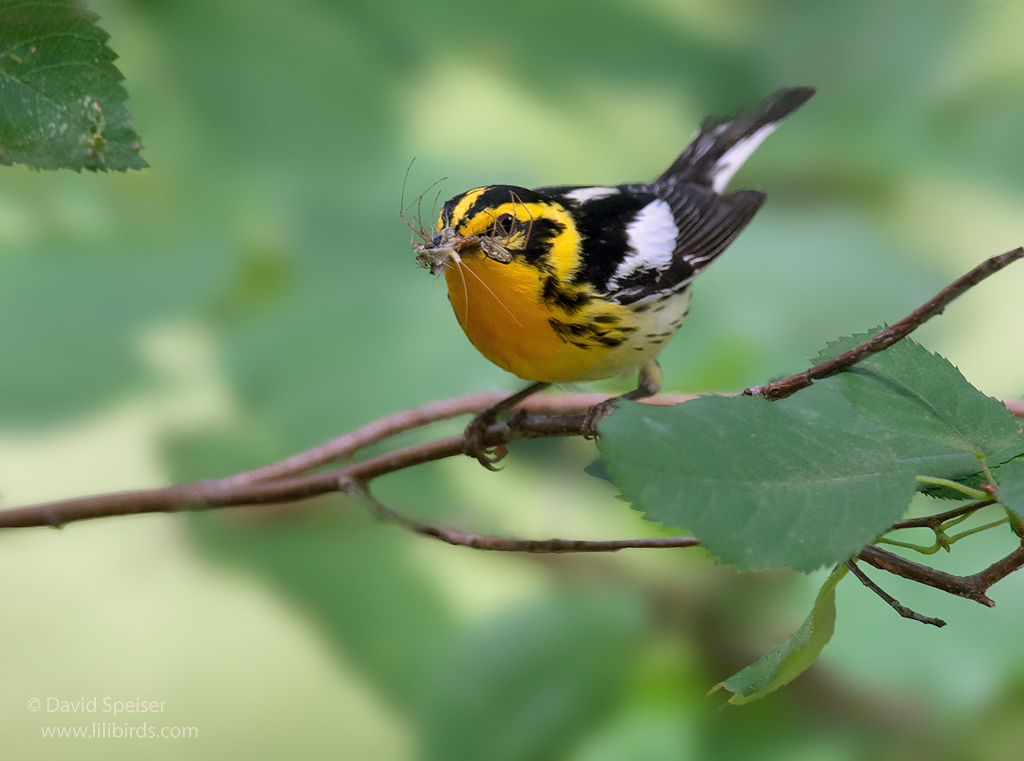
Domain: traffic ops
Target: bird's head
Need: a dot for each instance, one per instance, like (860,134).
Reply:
(498,222)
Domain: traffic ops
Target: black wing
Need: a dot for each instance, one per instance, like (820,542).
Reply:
(645,240)
(706,223)
(707,218)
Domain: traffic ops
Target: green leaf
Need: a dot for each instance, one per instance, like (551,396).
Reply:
(527,685)
(823,405)
(61,100)
(924,403)
(807,481)
(761,484)
(598,469)
(787,660)
(1010,483)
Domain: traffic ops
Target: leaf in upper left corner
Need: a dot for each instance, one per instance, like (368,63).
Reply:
(62,105)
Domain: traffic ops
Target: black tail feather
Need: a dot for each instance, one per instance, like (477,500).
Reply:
(702,163)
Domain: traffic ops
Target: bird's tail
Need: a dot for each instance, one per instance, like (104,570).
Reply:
(721,146)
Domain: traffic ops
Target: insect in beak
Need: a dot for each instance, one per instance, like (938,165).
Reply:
(441,251)
(444,248)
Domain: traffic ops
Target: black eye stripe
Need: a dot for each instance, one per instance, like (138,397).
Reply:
(543,233)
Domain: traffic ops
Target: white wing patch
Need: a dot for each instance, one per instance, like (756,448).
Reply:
(733,159)
(652,240)
(582,195)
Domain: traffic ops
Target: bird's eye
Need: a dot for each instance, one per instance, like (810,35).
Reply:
(505,224)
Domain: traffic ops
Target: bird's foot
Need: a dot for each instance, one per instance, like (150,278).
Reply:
(473,440)
(473,437)
(596,414)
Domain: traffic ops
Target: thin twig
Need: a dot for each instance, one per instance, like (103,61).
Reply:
(908,569)
(505,544)
(886,338)
(971,587)
(895,604)
(935,522)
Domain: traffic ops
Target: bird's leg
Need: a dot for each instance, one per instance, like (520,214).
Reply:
(473,437)
(648,384)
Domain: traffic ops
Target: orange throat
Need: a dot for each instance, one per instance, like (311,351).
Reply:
(500,309)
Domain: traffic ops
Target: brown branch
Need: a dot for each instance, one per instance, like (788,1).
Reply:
(259,487)
(971,587)
(383,428)
(226,492)
(203,495)
(416,417)
(886,338)
(895,604)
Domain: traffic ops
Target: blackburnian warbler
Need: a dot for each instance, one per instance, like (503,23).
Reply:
(574,283)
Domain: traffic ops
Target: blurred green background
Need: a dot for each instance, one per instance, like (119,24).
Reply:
(254,293)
